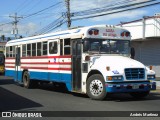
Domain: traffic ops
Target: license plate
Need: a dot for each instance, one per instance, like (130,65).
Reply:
(135,87)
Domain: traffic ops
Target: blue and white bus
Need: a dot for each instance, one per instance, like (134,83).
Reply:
(93,60)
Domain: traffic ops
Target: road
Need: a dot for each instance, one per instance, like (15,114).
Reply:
(47,98)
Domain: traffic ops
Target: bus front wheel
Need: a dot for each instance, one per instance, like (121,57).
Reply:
(96,87)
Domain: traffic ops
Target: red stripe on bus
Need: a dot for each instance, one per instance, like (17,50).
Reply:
(46,68)
(34,63)
(10,58)
(67,69)
(9,62)
(65,56)
(9,66)
(60,63)
(39,57)
(43,63)
(50,63)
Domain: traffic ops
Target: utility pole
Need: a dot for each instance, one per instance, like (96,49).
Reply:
(15,28)
(68,13)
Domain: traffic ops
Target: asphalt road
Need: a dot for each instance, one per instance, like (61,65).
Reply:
(47,98)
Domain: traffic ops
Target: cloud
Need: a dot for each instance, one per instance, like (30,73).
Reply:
(80,5)
(23,29)
(92,4)
(28,28)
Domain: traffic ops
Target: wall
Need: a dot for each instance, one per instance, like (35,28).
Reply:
(139,29)
(148,52)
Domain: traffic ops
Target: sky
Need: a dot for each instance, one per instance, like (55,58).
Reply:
(28,26)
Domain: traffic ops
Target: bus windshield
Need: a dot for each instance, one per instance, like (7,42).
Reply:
(103,46)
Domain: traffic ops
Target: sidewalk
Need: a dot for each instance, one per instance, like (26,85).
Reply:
(158,84)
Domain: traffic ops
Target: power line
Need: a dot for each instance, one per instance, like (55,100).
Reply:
(23,5)
(55,27)
(112,8)
(6,23)
(97,11)
(42,10)
(123,10)
(33,6)
(106,6)
(52,25)
(109,8)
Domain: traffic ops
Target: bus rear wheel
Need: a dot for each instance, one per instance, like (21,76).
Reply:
(26,80)
(96,87)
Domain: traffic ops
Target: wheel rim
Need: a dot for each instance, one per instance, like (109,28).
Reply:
(96,87)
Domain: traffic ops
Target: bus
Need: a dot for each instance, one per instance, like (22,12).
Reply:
(94,60)
(2,60)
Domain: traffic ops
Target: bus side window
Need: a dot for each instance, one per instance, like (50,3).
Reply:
(10,51)
(7,51)
(67,46)
(53,47)
(61,46)
(14,51)
(28,49)
(33,49)
(39,47)
(24,50)
(44,48)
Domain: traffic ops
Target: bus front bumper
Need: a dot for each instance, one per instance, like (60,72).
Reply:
(130,87)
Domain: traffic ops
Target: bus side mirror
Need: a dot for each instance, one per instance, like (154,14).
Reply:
(86,45)
(132,52)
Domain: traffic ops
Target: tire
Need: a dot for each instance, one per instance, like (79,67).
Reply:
(27,83)
(140,94)
(96,87)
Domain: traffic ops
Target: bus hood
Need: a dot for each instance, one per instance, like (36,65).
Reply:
(114,62)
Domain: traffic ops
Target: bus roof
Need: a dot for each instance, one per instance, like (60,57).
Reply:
(105,31)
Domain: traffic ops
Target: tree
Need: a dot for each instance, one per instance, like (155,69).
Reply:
(8,39)
(20,36)
(3,37)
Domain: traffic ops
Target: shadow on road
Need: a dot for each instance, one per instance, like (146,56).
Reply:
(6,81)
(11,101)
(51,87)
(122,97)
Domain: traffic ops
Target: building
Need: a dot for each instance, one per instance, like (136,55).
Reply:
(2,46)
(146,40)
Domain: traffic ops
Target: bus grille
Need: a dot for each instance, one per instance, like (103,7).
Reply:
(134,73)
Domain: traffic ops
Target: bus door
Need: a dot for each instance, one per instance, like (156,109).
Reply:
(53,60)
(17,63)
(76,64)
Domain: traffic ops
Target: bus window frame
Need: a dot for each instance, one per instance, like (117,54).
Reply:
(58,47)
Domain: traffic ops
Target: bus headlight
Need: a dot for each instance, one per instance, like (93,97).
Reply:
(117,77)
(114,78)
(150,77)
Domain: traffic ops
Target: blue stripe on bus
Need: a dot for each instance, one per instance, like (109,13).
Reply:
(45,76)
